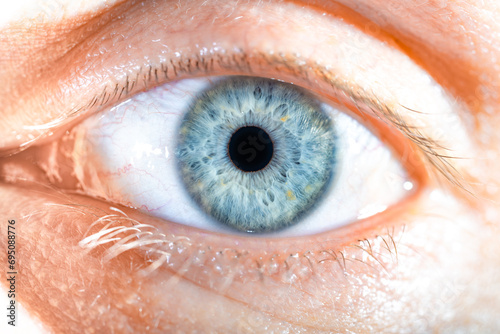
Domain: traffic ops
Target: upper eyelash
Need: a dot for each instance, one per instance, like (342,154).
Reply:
(174,69)
(426,145)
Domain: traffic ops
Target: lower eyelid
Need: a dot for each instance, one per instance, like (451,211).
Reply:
(230,267)
(243,273)
(276,279)
(176,237)
(179,248)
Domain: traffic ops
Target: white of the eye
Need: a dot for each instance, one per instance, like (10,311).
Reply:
(369,179)
(129,151)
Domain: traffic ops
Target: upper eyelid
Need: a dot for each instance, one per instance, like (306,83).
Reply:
(289,62)
(87,25)
(153,75)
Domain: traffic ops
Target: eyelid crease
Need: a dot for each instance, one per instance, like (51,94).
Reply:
(241,63)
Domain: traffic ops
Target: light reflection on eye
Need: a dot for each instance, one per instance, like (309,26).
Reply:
(127,155)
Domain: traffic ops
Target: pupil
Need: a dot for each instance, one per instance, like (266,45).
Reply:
(250,148)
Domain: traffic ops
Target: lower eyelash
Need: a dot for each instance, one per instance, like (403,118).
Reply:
(114,234)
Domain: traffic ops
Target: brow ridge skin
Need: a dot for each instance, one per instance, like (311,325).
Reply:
(29,39)
(462,83)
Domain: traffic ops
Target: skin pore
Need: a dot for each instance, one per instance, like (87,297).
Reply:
(430,264)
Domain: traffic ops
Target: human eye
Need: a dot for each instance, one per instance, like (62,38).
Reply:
(174,270)
(199,167)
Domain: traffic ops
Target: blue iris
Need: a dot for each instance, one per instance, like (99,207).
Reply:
(256,154)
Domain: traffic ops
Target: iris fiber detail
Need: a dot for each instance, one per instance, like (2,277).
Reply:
(295,178)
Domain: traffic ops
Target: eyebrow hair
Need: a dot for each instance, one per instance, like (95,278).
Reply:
(241,63)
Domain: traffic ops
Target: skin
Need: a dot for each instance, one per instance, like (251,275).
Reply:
(429,264)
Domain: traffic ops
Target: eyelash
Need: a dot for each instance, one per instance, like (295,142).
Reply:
(159,247)
(291,67)
(114,234)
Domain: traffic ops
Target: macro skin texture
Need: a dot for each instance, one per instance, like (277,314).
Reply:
(423,74)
